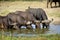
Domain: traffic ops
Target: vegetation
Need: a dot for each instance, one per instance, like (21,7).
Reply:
(39,37)
(55,14)
(7,7)
(4,13)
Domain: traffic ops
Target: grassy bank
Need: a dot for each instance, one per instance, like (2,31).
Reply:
(6,7)
(39,37)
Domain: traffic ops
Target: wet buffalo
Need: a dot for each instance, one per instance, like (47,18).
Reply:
(28,17)
(11,20)
(3,22)
(39,14)
(16,18)
(51,1)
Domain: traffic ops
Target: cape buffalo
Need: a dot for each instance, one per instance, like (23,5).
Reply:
(16,19)
(39,14)
(27,16)
(51,1)
(1,23)
(4,22)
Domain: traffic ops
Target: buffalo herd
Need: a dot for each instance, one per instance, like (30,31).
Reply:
(24,18)
(51,1)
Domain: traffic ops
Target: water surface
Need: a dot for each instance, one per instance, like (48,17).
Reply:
(53,29)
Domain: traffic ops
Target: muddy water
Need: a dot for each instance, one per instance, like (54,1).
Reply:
(53,29)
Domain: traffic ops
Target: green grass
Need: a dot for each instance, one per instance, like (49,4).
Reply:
(39,37)
(6,7)
(54,14)
(4,13)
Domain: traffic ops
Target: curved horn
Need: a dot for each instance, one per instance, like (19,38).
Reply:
(36,21)
(47,21)
(29,22)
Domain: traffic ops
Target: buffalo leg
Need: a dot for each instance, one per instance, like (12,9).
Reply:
(16,27)
(10,27)
(47,3)
(51,4)
(59,4)
(29,27)
(45,25)
(1,26)
(37,25)
(55,4)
